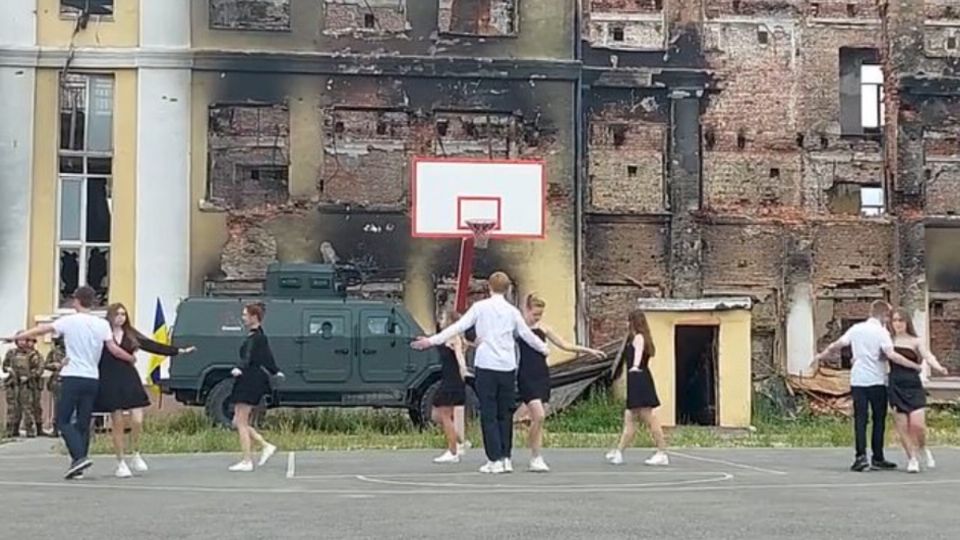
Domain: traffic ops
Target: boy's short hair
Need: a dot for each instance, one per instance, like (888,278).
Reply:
(85,296)
(880,309)
(499,282)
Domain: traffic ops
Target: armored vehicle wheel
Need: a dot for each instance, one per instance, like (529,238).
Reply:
(219,406)
(421,415)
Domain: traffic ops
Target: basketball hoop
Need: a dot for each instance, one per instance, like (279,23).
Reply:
(481,231)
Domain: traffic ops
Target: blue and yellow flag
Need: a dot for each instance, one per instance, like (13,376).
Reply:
(160,335)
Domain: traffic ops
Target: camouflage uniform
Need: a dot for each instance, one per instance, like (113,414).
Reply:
(24,385)
(55,360)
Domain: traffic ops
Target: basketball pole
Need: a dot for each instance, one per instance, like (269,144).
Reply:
(464,273)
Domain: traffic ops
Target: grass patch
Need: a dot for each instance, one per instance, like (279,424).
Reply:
(594,422)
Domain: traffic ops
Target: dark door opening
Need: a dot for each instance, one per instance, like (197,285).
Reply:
(696,371)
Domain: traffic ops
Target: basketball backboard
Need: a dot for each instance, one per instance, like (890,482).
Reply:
(447,193)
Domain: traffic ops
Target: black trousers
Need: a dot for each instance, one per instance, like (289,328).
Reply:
(874,398)
(77,397)
(497,392)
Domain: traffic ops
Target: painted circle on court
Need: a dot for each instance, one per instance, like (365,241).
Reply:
(418,481)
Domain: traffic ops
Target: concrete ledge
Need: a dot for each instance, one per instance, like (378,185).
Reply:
(700,304)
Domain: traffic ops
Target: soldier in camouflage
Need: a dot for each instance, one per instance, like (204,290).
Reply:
(56,358)
(24,368)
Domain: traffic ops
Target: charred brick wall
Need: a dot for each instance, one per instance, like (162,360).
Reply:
(722,145)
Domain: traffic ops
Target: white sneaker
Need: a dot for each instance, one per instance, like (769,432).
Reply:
(122,470)
(537,464)
(138,464)
(931,463)
(615,457)
(507,465)
(467,445)
(659,459)
(243,466)
(265,454)
(447,457)
(492,467)
(913,466)
(462,449)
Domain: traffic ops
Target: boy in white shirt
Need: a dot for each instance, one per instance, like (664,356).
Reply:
(498,323)
(84,336)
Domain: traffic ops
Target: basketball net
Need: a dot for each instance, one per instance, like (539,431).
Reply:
(481,231)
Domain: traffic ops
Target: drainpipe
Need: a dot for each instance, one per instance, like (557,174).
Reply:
(582,335)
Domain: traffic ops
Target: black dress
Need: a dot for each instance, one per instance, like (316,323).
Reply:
(453,391)
(906,393)
(121,388)
(533,376)
(641,392)
(256,366)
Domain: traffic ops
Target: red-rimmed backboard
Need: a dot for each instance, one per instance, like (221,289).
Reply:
(446,193)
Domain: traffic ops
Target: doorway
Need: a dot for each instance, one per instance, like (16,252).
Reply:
(696,371)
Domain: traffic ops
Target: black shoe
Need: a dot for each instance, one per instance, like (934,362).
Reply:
(860,464)
(882,465)
(77,468)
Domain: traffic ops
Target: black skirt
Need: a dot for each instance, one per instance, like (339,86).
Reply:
(641,392)
(906,396)
(120,386)
(251,387)
(453,391)
(450,397)
(533,382)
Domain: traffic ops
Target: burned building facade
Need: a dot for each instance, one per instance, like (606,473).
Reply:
(802,154)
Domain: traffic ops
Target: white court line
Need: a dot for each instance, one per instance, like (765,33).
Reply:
(476,473)
(714,477)
(727,463)
(461,491)
(291,465)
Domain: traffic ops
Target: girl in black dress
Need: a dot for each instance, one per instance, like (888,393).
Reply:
(641,392)
(252,383)
(533,376)
(121,388)
(906,394)
(452,393)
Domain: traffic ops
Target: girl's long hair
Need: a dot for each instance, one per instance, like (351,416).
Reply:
(902,313)
(638,325)
(130,335)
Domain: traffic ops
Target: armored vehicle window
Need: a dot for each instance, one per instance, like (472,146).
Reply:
(320,283)
(379,326)
(327,326)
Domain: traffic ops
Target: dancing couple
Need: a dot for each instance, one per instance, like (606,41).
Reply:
(887,335)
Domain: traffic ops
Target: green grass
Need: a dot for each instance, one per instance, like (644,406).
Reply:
(594,422)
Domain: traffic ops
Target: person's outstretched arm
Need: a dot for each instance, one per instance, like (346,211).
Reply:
(469,319)
(557,340)
(35,332)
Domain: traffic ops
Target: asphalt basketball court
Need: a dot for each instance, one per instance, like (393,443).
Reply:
(709,493)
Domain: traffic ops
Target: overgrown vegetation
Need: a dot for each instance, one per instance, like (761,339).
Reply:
(594,422)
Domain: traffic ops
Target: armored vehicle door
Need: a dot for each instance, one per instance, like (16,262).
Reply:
(384,346)
(328,345)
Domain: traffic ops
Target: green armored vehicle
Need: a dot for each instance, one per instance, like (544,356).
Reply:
(335,351)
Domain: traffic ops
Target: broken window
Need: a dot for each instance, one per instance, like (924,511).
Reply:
(943,259)
(365,156)
(377,16)
(489,135)
(89,7)
(861,92)
(84,194)
(871,201)
(871,97)
(479,17)
(249,154)
(259,15)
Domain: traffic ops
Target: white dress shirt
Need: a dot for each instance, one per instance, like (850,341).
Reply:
(868,340)
(498,323)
